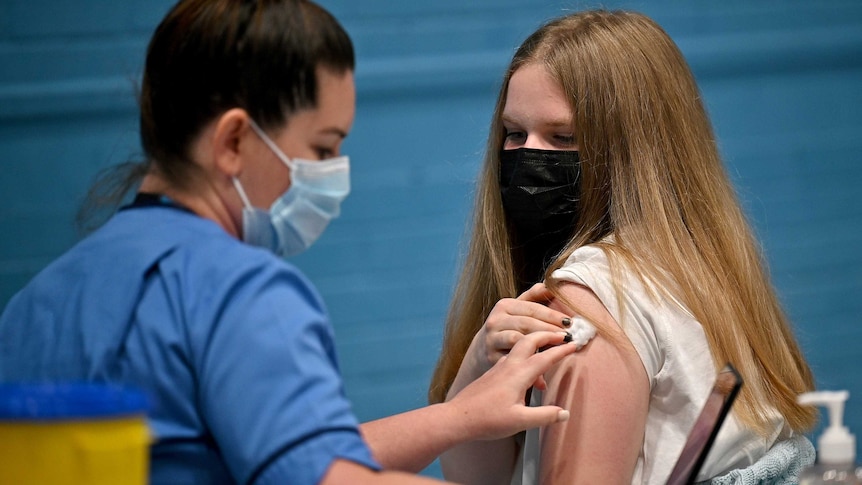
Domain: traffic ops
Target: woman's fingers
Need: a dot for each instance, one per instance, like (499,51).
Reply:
(540,383)
(525,316)
(513,318)
(538,293)
(504,340)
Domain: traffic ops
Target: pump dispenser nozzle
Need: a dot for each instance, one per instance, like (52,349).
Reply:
(836,445)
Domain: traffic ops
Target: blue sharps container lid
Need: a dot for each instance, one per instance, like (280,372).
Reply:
(57,401)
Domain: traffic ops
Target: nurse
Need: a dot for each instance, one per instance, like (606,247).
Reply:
(183,293)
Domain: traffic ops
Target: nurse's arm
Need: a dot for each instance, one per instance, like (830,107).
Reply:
(347,472)
(490,408)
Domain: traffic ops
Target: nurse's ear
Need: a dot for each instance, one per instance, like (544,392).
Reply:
(230,142)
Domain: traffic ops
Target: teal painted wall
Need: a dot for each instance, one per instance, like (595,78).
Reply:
(782,81)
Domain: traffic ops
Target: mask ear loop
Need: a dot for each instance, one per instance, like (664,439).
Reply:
(271,144)
(245,201)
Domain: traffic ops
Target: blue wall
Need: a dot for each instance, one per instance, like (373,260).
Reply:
(782,80)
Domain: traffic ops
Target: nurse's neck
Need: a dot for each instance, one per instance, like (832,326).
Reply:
(202,198)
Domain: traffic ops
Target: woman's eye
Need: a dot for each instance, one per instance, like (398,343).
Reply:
(565,140)
(515,136)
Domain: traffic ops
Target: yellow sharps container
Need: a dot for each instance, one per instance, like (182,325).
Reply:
(75,434)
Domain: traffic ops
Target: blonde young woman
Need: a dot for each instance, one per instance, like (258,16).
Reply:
(602,177)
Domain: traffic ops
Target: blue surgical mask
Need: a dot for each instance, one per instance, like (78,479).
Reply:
(297,218)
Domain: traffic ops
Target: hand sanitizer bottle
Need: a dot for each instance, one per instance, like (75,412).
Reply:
(836,447)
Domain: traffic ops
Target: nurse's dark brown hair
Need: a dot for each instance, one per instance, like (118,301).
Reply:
(209,56)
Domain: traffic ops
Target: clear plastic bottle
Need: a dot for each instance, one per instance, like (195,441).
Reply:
(836,447)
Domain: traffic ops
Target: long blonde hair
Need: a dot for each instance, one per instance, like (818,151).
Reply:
(652,177)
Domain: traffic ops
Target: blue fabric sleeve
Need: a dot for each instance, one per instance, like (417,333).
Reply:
(269,385)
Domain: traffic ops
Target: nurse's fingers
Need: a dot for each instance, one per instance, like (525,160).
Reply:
(504,385)
(528,345)
(530,365)
(538,416)
(505,340)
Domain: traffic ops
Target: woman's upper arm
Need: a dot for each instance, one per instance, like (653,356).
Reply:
(606,389)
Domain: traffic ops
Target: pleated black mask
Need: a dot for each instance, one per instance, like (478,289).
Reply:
(540,191)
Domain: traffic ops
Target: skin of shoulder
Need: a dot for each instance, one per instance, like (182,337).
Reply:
(606,389)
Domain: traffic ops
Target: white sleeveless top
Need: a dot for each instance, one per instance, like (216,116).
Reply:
(676,356)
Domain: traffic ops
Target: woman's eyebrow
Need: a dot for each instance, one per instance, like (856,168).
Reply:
(553,122)
(559,122)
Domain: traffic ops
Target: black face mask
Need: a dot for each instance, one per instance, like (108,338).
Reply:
(540,191)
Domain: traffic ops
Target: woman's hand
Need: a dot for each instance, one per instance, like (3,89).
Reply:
(509,321)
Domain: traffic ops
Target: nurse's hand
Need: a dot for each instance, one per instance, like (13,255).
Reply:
(509,321)
(493,405)
(490,407)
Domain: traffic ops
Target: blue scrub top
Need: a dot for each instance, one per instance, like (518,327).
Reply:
(233,346)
